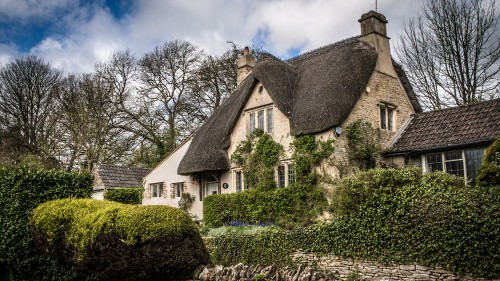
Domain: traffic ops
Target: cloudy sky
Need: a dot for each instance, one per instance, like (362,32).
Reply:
(74,34)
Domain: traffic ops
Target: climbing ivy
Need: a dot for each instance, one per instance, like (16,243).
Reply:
(308,153)
(186,201)
(258,156)
(363,143)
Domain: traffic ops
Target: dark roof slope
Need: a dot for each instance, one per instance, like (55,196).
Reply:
(316,91)
(120,177)
(468,124)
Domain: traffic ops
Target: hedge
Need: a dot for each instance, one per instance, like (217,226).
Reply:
(115,241)
(401,216)
(21,190)
(288,206)
(124,195)
(489,172)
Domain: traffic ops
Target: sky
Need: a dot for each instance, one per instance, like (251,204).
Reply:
(73,35)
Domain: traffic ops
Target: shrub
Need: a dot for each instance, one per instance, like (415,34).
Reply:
(389,216)
(114,241)
(489,172)
(21,190)
(288,206)
(125,195)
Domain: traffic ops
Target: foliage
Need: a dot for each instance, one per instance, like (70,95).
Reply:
(124,195)
(308,154)
(489,172)
(288,206)
(21,190)
(451,52)
(258,156)
(186,201)
(401,216)
(115,241)
(363,142)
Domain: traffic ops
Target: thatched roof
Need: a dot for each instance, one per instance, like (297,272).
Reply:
(461,126)
(109,176)
(316,91)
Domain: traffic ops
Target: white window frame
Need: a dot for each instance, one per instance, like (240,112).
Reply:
(425,167)
(178,189)
(156,189)
(259,118)
(387,120)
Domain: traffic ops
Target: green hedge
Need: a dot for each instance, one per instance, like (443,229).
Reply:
(288,206)
(114,241)
(124,195)
(400,216)
(489,172)
(21,190)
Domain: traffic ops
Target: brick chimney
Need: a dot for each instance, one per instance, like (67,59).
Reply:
(246,63)
(374,31)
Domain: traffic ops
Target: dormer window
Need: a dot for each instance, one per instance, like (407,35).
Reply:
(387,113)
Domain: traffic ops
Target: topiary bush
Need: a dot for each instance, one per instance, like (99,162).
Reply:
(389,215)
(125,195)
(114,241)
(21,190)
(287,206)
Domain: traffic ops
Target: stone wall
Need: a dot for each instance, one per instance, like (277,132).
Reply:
(376,271)
(312,267)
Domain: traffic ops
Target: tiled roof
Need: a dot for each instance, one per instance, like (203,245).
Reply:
(468,124)
(120,177)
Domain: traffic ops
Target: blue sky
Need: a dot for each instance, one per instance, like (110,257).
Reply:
(73,35)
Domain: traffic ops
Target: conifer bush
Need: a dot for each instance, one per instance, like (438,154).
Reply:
(114,241)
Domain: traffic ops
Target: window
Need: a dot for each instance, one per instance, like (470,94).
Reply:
(473,158)
(179,188)
(260,115)
(238,181)
(454,163)
(270,120)
(281,176)
(463,163)
(156,189)
(291,174)
(434,162)
(387,117)
(252,121)
(261,119)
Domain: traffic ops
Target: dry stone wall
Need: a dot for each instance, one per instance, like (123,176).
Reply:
(369,271)
(312,267)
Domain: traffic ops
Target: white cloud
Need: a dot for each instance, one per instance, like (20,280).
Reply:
(304,24)
(8,53)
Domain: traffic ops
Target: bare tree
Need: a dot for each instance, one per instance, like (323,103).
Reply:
(28,89)
(216,80)
(451,52)
(87,118)
(168,75)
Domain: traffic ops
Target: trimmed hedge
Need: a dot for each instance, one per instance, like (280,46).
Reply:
(400,216)
(21,190)
(288,206)
(124,195)
(114,241)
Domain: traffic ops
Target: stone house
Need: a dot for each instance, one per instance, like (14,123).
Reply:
(319,93)
(111,177)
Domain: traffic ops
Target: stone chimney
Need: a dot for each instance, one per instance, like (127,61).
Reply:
(246,63)
(374,31)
